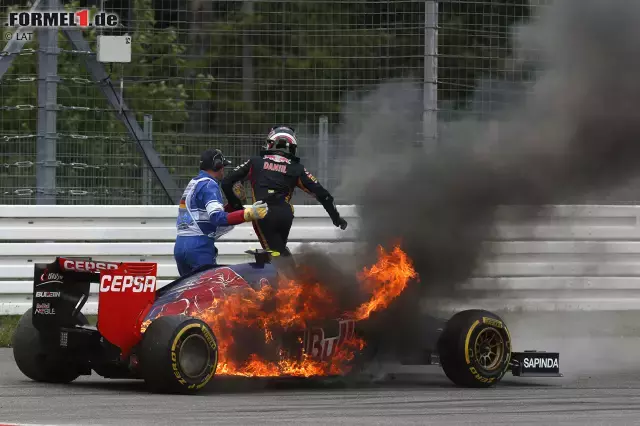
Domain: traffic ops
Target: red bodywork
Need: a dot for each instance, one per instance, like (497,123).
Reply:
(127,292)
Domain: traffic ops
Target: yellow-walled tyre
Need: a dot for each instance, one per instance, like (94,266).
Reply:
(177,354)
(475,349)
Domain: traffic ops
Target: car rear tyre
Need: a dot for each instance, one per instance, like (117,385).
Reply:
(475,349)
(177,354)
(39,357)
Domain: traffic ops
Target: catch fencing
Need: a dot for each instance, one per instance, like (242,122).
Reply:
(220,73)
(572,258)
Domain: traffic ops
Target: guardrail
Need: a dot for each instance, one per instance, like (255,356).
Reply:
(572,258)
(34,234)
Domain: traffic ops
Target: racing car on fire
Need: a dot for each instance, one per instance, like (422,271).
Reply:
(172,338)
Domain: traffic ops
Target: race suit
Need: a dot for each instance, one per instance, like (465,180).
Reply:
(201,220)
(273,177)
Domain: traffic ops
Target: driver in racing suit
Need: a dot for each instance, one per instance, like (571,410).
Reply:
(202,218)
(274,175)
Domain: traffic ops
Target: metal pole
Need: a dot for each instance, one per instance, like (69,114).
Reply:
(146,173)
(98,72)
(47,114)
(430,80)
(323,148)
(130,17)
(247,60)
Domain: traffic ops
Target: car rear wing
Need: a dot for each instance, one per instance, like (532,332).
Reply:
(126,292)
(60,292)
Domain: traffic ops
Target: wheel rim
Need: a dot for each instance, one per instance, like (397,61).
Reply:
(194,356)
(489,349)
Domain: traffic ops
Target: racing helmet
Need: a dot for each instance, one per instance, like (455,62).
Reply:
(282,137)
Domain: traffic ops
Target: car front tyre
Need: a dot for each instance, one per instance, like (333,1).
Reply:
(475,349)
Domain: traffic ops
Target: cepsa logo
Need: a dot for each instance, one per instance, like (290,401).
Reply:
(62,19)
(120,283)
(87,266)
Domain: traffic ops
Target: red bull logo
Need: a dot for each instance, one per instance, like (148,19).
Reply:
(321,347)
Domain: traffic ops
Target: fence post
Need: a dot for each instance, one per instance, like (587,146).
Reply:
(430,78)
(247,60)
(46,145)
(147,178)
(323,149)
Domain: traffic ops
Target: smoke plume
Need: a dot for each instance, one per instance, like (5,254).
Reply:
(575,131)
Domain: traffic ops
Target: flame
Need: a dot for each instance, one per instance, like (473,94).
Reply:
(293,305)
(306,367)
(385,280)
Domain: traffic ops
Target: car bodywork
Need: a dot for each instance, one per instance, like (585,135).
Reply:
(129,300)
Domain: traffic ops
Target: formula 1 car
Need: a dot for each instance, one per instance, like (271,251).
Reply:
(177,352)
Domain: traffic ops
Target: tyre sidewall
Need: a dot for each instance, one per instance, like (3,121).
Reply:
(160,354)
(475,371)
(457,352)
(189,328)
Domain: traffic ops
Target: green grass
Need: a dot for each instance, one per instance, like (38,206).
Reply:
(8,324)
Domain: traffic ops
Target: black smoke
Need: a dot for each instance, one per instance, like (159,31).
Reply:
(573,131)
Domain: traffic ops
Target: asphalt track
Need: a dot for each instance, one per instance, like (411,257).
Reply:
(601,362)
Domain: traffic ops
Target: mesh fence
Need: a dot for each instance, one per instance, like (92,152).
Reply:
(218,74)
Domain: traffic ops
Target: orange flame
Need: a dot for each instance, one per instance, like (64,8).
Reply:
(307,367)
(293,305)
(385,280)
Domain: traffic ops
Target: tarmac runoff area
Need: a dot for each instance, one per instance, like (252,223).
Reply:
(599,355)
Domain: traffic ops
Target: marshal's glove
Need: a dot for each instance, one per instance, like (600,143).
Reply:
(257,211)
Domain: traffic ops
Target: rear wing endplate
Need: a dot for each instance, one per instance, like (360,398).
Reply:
(127,289)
